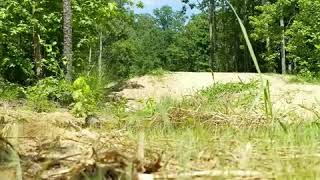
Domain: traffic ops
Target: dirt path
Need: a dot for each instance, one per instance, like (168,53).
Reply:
(287,97)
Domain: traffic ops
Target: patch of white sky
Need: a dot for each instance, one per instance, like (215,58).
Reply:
(150,5)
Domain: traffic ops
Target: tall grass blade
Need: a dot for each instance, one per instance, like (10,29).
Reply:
(246,37)
(265,89)
(267,101)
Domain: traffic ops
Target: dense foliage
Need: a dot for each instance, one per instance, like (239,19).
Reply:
(110,41)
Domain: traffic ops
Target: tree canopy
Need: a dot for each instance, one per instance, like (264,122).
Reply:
(109,38)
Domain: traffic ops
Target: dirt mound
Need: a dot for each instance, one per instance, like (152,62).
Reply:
(177,84)
(287,97)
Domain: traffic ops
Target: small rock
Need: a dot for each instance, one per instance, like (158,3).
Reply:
(92,121)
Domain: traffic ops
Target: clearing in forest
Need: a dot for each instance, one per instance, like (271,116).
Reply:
(190,129)
(286,96)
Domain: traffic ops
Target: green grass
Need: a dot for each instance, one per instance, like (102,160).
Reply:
(159,72)
(215,129)
(302,79)
(11,92)
(274,152)
(197,133)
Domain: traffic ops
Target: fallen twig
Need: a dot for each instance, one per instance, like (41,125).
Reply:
(211,173)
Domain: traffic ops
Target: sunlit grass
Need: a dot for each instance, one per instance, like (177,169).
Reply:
(194,135)
(302,80)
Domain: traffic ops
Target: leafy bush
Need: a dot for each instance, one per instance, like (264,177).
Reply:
(85,98)
(10,91)
(49,92)
(79,95)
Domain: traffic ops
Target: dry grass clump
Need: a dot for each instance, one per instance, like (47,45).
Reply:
(179,116)
(57,150)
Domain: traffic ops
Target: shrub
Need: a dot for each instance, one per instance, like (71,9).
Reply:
(85,99)
(11,92)
(48,93)
(79,95)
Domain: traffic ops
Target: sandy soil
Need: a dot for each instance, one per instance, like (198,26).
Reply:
(287,97)
(46,137)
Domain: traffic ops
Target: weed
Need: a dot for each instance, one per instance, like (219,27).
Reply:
(40,103)
(227,98)
(267,101)
(220,89)
(158,72)
(84,99)
(118,109)
(303,79)
(48,93)
(11,92)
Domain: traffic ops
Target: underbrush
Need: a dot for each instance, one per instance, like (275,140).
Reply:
(10,91)
(48,93)
(82,97)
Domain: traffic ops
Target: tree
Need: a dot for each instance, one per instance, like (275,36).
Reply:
(303,45)
(190,50)
(210,7)
(271,26)
(212,33)
(167,19)
(283,47)
(30,31)
(67,32)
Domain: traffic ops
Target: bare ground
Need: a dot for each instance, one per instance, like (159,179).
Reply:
(300,99)
(54,145)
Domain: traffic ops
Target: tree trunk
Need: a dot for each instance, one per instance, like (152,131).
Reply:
(36,47)
(246,53)
(90,55)
(283,47)
(100,57)
(264,2)
(67,31)
(37,54)
(212,28)
(224,39)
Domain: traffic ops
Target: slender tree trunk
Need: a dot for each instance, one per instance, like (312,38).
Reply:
(215,36)
(264,2)
(37,53)
(67,31)
(212,29)
(90,55)
(36,47)
(224,39)
(290,68)
(100,56)
(246,59)
(283,47)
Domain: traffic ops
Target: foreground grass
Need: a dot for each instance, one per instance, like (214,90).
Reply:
(216,130)
(268,150)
